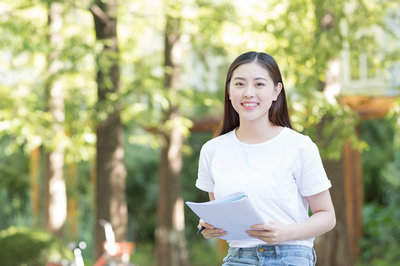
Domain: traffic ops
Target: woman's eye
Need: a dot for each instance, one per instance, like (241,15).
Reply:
(239,84)
(260,84)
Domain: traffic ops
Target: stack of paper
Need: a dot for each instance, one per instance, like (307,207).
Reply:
(233,213)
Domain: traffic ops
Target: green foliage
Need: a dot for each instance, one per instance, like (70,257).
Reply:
(144,254)
(142,187)
(380,243)
(23,108)
(202,253)
(381,167)
(83,192)
(16,25)
(379,134)
(141,191)
(330,125)
(23,246)
(14,187)
(189,176)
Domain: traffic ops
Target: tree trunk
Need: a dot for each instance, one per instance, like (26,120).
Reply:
(170,238)
(110,168)
(340,246)
(333,248)
(71,177)
(34,173)
(55,189)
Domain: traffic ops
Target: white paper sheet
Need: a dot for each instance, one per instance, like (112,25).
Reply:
(233,213)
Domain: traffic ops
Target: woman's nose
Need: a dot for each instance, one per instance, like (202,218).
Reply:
(248,92)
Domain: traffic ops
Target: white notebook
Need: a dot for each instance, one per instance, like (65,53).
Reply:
(234,213)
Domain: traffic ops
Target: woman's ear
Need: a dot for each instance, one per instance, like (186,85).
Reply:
(277,90)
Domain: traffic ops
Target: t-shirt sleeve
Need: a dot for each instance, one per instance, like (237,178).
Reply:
(311,177)
(205,181)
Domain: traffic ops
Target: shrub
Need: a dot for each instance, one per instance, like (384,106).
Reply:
(25,246)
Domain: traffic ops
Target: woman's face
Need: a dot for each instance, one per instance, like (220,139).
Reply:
(251,91)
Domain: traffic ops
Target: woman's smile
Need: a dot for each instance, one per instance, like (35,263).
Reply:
(249,106)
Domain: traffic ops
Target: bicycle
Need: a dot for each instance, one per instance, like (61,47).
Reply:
(115,253)
(77,250)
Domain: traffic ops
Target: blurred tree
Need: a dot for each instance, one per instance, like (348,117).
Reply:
(341,245)
(42,63)
(55,188)
(170,238)
(24,114)
(110,167)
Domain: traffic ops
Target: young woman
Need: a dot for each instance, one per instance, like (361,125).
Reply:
(258,152)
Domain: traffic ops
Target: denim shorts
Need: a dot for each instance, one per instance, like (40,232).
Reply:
(293,255)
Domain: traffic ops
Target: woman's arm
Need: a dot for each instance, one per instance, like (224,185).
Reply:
(210,231)
(321,221)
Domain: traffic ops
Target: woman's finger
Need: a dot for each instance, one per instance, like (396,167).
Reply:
(211,233)
(206,225)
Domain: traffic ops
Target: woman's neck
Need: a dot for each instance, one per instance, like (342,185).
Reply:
(253,133)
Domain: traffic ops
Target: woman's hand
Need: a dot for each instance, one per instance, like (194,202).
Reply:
(210,231)
(271,233)
(321,221)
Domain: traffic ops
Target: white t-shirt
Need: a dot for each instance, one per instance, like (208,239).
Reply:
(277,175)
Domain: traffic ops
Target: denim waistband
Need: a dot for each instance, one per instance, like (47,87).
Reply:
(275,250)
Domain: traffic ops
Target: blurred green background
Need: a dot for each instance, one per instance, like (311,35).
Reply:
(50,58)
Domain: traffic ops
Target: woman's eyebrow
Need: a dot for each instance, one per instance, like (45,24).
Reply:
(239,78)
(258,78)
(254,79)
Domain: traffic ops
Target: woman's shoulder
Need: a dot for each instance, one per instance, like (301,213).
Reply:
(296,138)
(220,140)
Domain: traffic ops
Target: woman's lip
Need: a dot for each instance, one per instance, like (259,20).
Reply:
(249,105)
